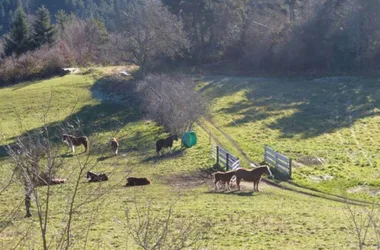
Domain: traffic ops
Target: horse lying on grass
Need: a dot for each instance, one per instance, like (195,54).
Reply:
(166,143)
(133,181)
(223,177)
(96,177)
(253,175)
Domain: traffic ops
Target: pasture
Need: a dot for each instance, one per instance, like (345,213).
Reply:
(271,219)
(333,120)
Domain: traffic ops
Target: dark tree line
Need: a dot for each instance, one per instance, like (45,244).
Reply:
(281,35)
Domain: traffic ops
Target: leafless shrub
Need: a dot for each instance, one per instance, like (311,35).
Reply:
(153,229)
(172,101)
(365,224)
(41,63)
(85,42)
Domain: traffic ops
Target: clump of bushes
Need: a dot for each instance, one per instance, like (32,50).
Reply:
(45,62)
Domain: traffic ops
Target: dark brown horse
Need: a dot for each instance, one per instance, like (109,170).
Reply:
(133,181)
(73,141)
(166,143)
(224,177)
(253,175)
(96,177)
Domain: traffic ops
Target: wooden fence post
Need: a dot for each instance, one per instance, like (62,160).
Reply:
(227,160)
(290,168)
(217,155)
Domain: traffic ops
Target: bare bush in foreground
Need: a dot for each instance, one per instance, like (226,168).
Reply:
(153,229)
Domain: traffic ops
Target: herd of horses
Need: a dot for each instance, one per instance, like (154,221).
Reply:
(253,175)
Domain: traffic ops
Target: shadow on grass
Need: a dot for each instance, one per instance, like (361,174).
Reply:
(232,192)
(176,153)
(94,119)
(298,107)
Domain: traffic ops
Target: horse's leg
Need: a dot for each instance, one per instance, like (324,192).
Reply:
(238,183)
(228,185)
(73,148)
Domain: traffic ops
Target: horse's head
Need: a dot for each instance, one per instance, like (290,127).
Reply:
(65,137)
(88,176)
(175,137)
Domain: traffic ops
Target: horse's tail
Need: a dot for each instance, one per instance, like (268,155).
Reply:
(85,143)
(158,146)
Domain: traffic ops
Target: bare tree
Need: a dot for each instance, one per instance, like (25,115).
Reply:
(365,222)
(157,229)
(150,32)
(172,101)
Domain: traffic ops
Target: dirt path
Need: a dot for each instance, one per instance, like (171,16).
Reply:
(291,186)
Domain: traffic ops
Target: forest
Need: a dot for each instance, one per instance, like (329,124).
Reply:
(269,35)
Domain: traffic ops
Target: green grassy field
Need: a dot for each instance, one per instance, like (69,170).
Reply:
(336,119)
(271,219)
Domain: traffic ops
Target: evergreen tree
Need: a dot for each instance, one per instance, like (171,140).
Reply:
(43,31)
(61,18)
(18,40)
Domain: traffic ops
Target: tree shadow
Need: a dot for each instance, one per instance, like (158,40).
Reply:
(176,153)
(304,107)
(232,192)
(90,120)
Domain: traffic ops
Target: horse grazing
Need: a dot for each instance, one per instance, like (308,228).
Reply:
(73,141)
(115,146)
(223,177)
(166,143)
(133,181)
(253,175)
(96,177)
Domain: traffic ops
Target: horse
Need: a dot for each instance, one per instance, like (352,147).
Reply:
(223,177)
(166,143)
(253,175)
(73,141)
(96,177)
(44,180)
(133,181)
(115,146)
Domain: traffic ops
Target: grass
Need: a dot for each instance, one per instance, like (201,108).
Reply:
(272,219)
(333,118)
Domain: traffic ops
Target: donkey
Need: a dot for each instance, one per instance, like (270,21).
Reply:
(253,175)
(166,143)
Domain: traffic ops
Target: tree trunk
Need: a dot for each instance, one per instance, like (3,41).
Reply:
(28,204)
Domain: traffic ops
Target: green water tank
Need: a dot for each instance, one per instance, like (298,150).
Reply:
(189,139)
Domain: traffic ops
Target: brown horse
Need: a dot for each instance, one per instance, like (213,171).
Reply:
(115,146)
(73,141)
(166,143)
(253,175)
(133,181)
(223,177)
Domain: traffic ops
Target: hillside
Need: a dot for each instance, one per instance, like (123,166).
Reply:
(271,219)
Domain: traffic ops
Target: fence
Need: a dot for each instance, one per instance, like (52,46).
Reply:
(224,158)
(282,163)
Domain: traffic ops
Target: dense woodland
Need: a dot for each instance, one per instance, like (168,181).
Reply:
(271,35)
